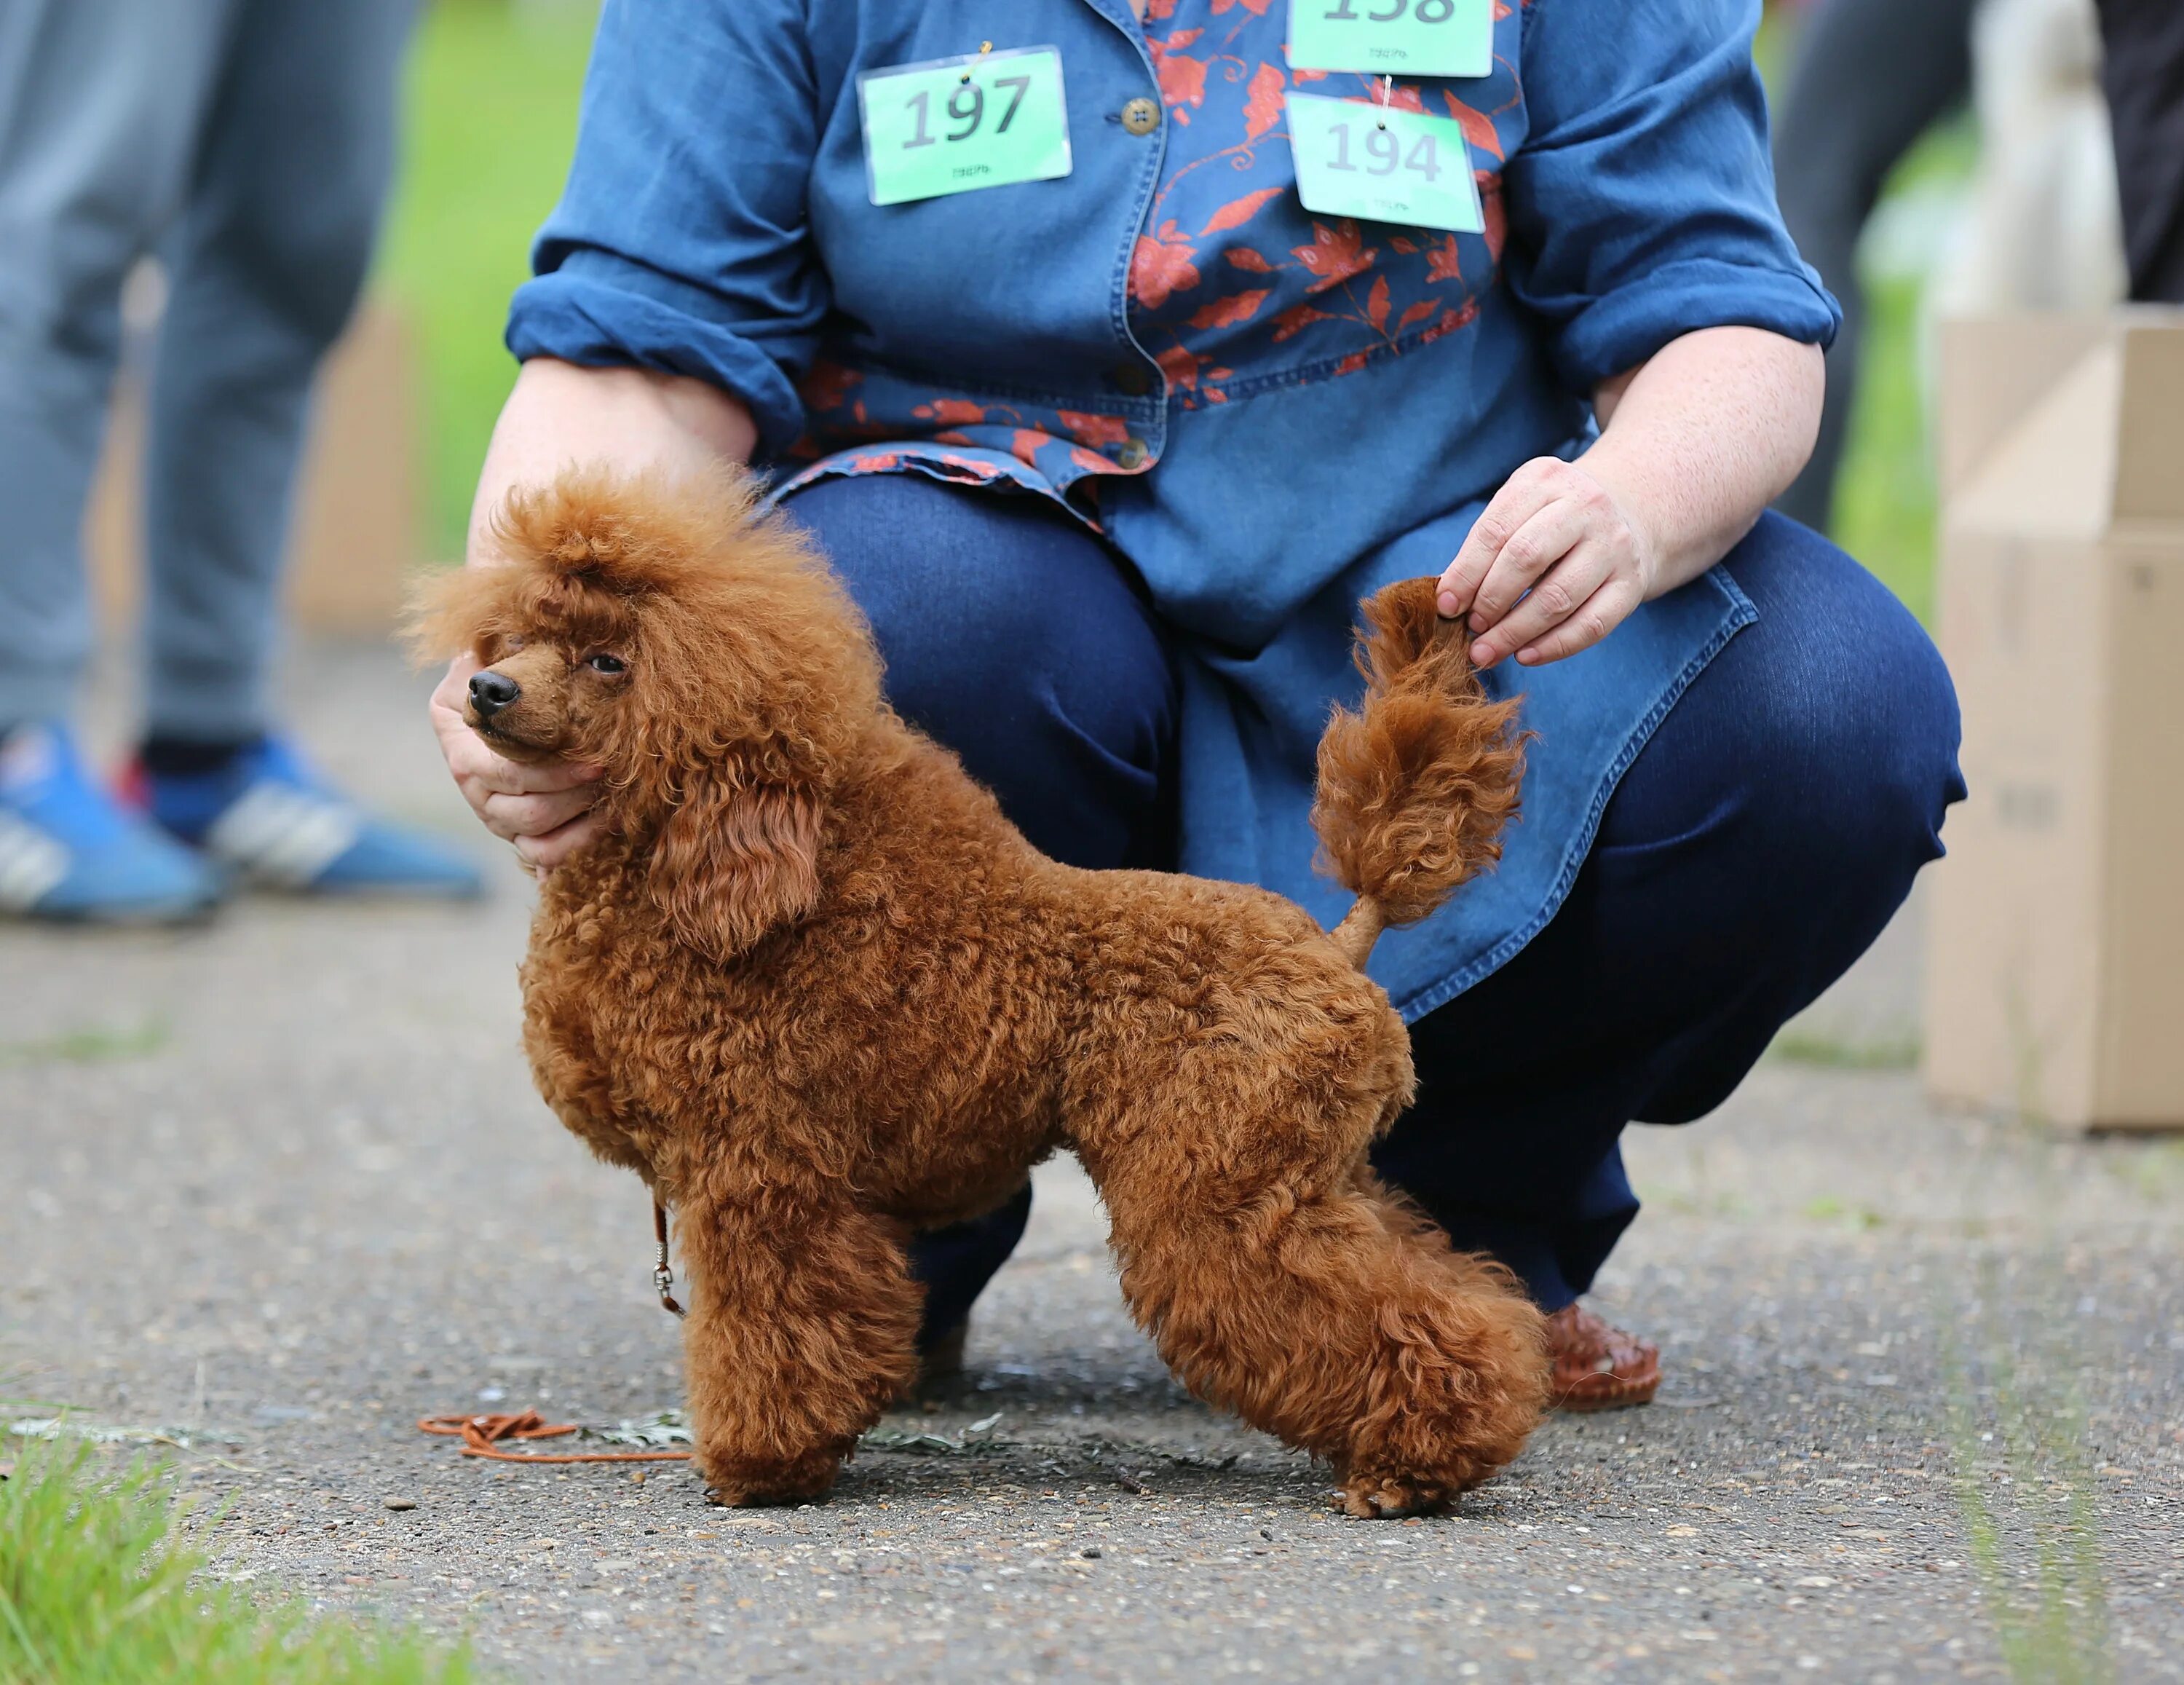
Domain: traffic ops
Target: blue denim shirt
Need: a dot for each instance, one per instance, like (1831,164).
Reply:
(1270,413)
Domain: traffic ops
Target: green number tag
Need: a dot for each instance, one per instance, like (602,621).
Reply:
(1354,159)
(1393,37)
(952,124)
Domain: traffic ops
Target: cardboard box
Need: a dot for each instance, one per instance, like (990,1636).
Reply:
(2055,974)
(357,531)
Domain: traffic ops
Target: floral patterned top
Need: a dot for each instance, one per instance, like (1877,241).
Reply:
(1268,412)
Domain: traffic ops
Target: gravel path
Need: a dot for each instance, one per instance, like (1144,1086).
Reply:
(283,1186)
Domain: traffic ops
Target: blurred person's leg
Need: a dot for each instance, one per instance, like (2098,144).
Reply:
(1754,849)
(264,263)
(2143,75)
(1015,637)
(101,105)
(1869,77)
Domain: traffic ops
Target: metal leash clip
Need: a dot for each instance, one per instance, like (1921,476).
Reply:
(663,1275)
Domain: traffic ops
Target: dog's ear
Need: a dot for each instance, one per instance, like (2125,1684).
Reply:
(735,860)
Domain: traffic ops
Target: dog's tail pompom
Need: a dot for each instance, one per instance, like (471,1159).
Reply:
(1415,787)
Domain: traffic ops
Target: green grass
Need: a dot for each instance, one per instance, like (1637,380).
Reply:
(93,1045)
(1801,1048)
(1884,506)
(491,121)
(94,1590)
(2025,1490)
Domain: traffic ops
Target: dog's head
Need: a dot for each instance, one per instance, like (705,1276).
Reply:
(690,642)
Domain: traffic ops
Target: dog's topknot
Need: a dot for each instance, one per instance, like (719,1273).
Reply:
(648,533)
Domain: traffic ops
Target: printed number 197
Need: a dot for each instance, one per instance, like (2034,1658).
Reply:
(971,115)
(1386,154)
(1428,12)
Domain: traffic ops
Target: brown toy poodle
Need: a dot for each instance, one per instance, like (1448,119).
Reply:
(819,993)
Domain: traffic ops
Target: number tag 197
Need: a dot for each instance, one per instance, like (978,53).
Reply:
(952,124)
(1387,165)
(1393,37)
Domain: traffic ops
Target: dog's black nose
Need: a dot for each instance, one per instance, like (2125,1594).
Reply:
(491,692)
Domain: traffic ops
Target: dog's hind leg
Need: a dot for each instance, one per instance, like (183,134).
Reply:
(1321,1312)
(802,1324)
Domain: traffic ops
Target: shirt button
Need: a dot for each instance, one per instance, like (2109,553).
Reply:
(1140,116)
(1131,454)
(1133,380)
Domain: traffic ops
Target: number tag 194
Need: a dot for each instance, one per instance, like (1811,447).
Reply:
(952,124)
(1393,37)
(1386,165)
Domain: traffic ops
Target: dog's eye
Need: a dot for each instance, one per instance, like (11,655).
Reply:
(606,663)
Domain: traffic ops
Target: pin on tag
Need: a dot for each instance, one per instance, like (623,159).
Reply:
(951,125)
(1407,38)
(1382,164)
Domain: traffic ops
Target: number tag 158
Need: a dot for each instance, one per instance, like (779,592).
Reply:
(1386,165)
(1393,37)
(952,124)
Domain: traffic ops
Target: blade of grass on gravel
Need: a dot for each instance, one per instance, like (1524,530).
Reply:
(94,1590)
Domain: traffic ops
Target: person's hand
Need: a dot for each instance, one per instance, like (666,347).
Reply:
(1557,532)
(545,811)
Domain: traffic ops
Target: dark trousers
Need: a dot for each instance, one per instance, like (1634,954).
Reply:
(2143,75)
(1752,850)
(249,143)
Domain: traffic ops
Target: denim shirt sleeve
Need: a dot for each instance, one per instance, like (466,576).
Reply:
(1642,205)
(679,243)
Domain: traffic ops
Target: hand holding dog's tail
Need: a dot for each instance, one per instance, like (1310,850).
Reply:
(1415,788)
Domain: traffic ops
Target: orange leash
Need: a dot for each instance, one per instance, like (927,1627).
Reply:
(481,1435)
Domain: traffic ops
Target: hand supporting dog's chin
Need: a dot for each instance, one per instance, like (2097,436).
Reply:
(502,741)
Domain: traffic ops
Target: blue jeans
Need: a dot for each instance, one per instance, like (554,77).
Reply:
(1753,850)
(248,143)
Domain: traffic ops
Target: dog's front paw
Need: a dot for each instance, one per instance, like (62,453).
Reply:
(742,1482)
(1388,1498)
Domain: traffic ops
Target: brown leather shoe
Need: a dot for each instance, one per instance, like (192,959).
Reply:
(1598,1367)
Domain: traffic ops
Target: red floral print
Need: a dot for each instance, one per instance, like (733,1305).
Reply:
(1181,79)
(1181,365)
(1238,212)
(1093,430)
(1263,108)
(1334,255)
(950,412)
(1228,312)
(1477,126)
(1294,320)
(1162,266)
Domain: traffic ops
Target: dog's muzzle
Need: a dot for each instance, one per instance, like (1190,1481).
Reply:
(491,692)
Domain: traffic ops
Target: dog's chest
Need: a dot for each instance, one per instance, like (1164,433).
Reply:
(604,1002)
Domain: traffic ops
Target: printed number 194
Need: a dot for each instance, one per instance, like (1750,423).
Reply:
(1385,153)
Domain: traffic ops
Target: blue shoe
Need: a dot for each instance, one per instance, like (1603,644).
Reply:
(273,821)
(68,850)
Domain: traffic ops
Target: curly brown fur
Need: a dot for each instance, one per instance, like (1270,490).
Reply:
(818,992)
(1415,788)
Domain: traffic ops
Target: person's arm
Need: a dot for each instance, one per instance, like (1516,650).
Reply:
(558,415)
(1695,444)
